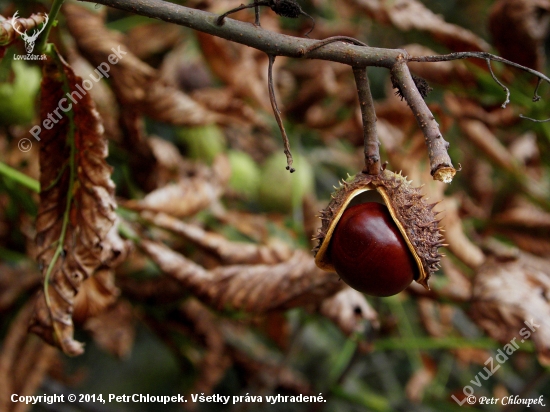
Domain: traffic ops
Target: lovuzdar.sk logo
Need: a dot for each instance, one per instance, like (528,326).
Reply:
(29,40)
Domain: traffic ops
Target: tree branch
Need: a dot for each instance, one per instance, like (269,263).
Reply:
(368,115)
(271,43)
(441,166)
(275,44)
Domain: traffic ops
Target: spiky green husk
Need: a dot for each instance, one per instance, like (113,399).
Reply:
(414,216)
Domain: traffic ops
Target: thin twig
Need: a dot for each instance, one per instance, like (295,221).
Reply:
(273,6)
(257,13)
(534,120)
(277,114)
(368,115)
(500,84)
(441,166)
(256,5)
(475,55)
(328,40)
(536,97)
(312,23)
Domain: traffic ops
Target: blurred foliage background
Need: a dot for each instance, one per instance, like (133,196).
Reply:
(200,175)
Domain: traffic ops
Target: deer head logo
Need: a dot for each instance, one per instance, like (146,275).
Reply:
(29,40)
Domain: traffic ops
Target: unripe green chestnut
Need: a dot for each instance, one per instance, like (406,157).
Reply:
(376,248)
(369,253)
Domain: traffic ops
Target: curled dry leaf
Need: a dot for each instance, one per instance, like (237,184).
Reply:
(252,288)
(101,93)
(227,251)
(506,294)
(76,214)
(229,61)
(96,294)
(350,311)
(170,164)
(467,108)
(138,86)
(191,194)
(253,225)
(485,140)
(24,360)
(153,39)
(216,360)
(225,101)
(113,330)
(528,226)
(413,15)
(519,28)
(264,367)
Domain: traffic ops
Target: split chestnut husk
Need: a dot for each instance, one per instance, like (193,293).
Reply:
(373,264)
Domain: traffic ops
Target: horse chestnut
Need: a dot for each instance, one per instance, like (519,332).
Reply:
(369,252)
(379,248)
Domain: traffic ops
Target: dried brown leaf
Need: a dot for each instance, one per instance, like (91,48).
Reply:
(413,15)
(96,295)
(24,360)
(253,225)
(101,93)
(229,61)
(138,87)
(191,194)
(528,226)
(76,214)
(215,360)
(170,164)
(227,251)
(350,311)
(264,368)
(146,41)
(113,330)
(16,280)
(459,243)
(519,28)
(253,288)
(486,141)
(507,294)
(461,107)
(225,101)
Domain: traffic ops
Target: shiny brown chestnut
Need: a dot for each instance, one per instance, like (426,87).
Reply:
(369,252)
(375,259)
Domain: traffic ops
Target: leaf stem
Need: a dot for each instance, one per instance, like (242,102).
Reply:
(72,176)
(54,11)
